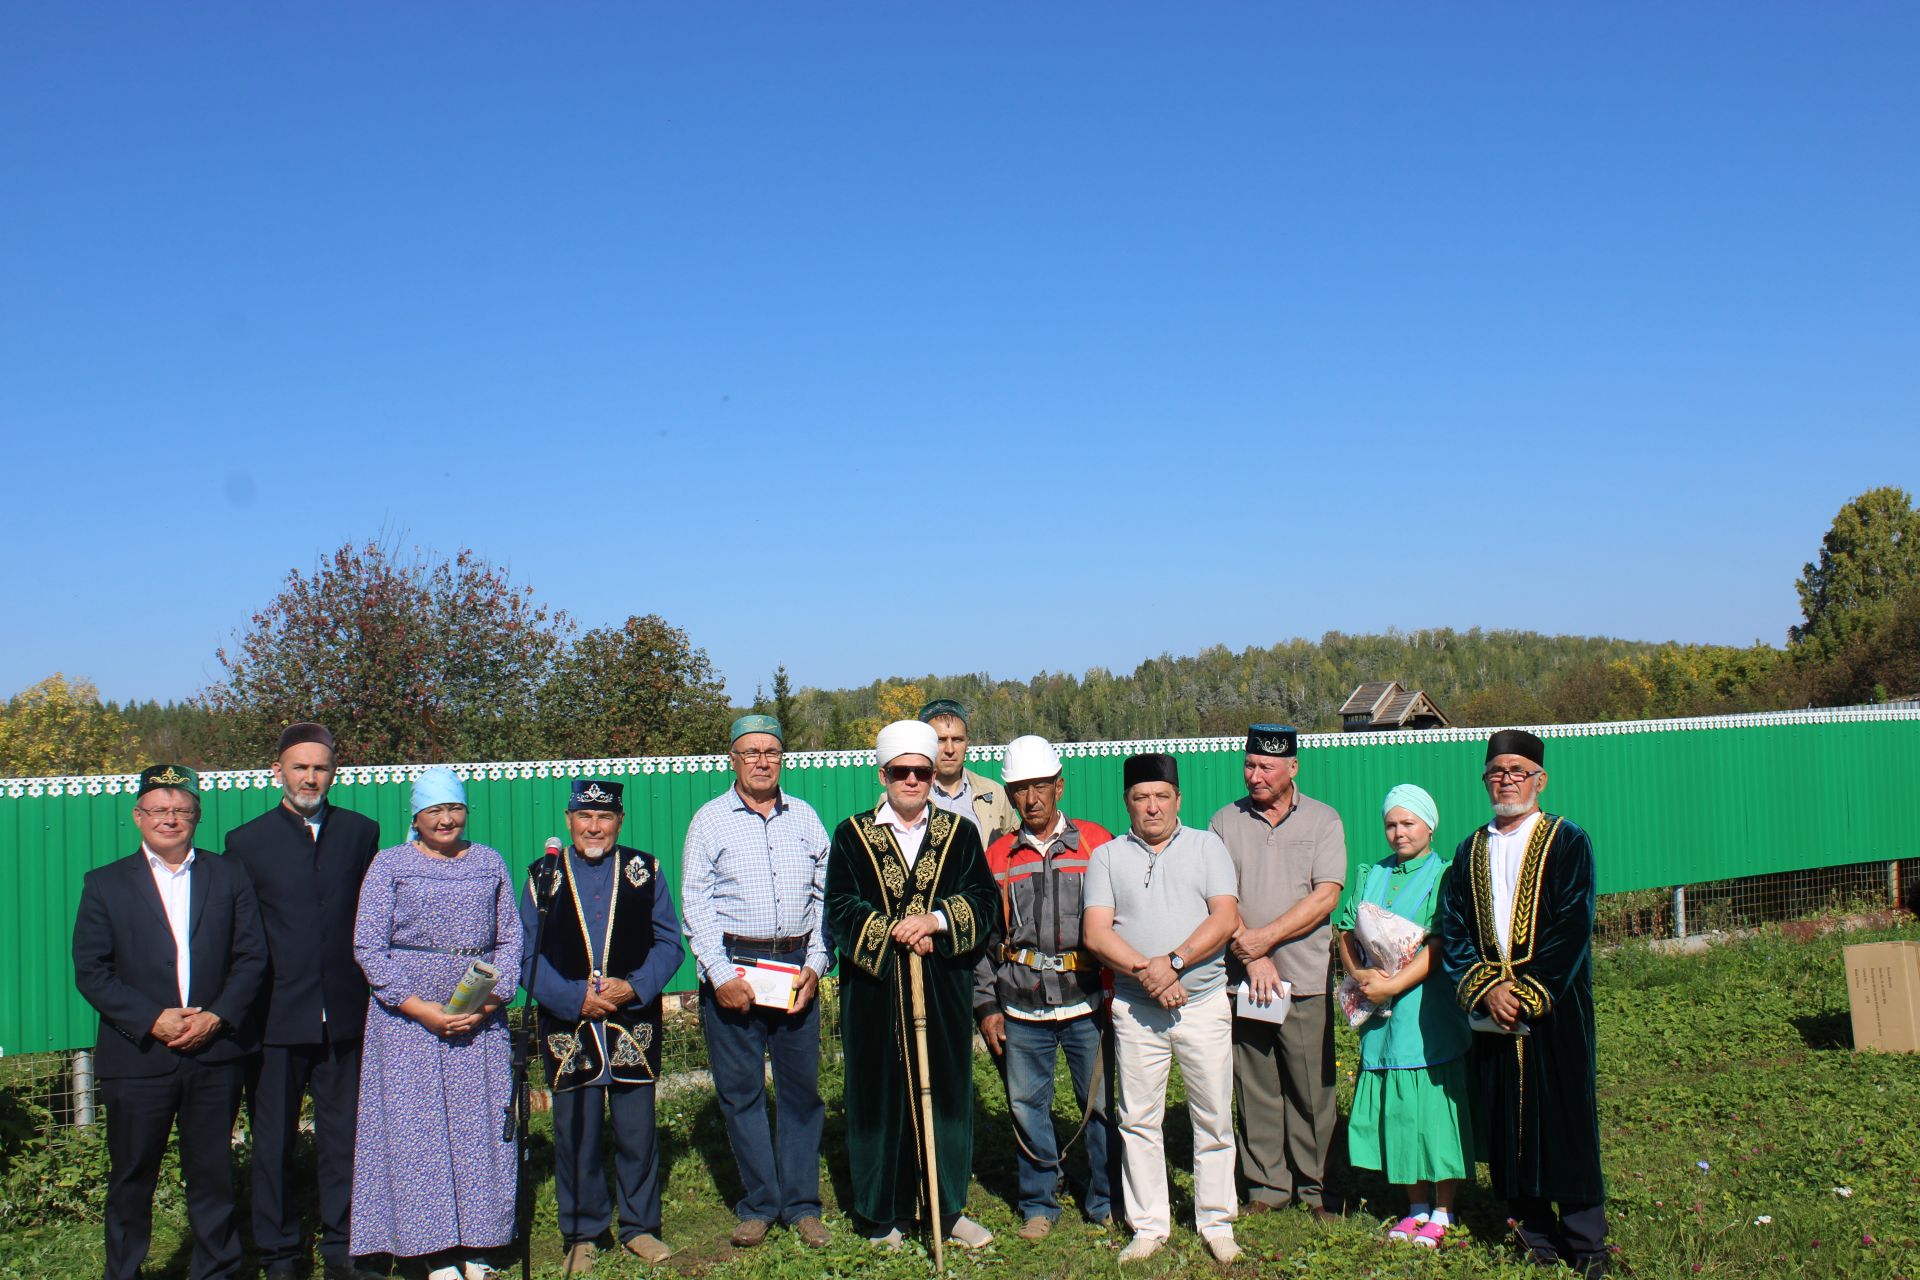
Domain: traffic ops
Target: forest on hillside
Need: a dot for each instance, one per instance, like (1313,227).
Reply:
(419,659)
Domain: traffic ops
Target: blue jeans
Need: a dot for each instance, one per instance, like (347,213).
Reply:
(781,1175)
(1031,1050)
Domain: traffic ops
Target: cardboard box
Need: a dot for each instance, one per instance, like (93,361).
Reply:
(1883,988)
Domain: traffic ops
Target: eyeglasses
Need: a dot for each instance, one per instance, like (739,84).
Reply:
(771,755)
(1510,775)
(161,815)
(904,772)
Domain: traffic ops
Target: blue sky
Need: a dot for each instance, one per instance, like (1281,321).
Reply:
(893,339)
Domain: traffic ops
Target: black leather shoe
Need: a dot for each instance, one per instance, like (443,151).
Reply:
(348,1271)
(280,1271)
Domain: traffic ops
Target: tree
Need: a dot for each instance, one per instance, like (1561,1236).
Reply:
(419,659)
(58,727)
(1869,558)
(784,705)
(894,700)
(640,689)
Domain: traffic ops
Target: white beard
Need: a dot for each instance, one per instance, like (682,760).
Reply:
(1512,810)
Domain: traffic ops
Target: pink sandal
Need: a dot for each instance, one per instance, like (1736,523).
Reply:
(1430,1235)
(1405,1229)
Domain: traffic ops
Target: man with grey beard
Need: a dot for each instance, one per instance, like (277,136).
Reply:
(306,858)
(1516,939)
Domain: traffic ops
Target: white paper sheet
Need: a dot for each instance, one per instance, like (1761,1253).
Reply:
(1275,1010)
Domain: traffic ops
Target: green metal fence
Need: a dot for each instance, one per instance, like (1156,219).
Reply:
(1668,802)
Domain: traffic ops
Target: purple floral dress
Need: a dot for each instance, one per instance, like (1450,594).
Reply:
(429,1170)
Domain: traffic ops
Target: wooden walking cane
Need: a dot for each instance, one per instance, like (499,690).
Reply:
(917,986)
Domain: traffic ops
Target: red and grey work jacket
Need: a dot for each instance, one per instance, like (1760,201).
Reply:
(1034,959)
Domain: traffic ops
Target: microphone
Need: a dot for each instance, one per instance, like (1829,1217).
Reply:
(554,848)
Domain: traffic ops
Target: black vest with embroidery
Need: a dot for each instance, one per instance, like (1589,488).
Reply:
(627,1039)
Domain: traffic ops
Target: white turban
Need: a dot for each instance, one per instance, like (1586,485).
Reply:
(906,738)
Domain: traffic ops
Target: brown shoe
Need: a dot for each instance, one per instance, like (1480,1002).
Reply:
(580,1259)
(647,1248)
(812,1232)
(749,1233)
(1038,1227)
(1325,1216)
(1253,1208)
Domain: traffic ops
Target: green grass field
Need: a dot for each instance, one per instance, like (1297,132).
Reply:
(1743,1136)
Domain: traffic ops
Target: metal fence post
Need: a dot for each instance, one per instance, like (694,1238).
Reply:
(1679,911)
(83,1098)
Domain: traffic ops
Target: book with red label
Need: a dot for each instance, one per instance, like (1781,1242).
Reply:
(774,983)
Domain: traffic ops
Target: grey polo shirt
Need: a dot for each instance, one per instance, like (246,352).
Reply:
(1279,864)
(1156,914)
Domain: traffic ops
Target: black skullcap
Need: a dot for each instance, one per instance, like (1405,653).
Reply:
(595,793)
(1149,767)
(1273,740)
(1517,742)
(306,731)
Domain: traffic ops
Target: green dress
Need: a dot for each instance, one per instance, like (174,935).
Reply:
(870,888)
(1411,1118)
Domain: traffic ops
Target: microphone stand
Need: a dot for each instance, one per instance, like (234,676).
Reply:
(520,1105)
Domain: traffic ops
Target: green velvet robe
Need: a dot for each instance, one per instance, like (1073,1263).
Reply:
(870,889)
(1536,1117)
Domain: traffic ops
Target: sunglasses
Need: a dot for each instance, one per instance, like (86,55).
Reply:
(902,772)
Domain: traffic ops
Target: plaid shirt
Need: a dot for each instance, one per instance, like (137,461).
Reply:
(755,877)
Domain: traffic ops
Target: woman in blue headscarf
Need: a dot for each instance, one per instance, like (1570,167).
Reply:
(432,1175)
(1410,1113)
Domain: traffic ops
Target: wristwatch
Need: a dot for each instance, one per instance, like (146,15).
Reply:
(1179,965)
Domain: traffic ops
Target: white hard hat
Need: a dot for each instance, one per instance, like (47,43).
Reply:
(1029,757)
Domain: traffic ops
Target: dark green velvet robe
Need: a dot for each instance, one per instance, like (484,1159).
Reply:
(870,889)
(1535,1114)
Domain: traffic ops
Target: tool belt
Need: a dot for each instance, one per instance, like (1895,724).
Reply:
(1075,961)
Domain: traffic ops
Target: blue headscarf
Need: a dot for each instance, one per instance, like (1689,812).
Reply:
(1415,801)
(438,786)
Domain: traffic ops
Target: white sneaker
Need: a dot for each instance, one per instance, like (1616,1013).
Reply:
(1223,1248)
(965,1231)
(446,1273)
(1142,1247)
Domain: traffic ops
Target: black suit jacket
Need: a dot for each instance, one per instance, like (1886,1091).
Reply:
(124,961)
(308,895)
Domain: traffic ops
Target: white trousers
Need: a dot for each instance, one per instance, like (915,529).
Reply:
(1147,1039)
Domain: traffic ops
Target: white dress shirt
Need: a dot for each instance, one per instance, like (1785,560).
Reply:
(176,896)
(1505,853)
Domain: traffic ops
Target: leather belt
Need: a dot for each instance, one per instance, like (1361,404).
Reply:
(799,943)
(473,953)
(1065,962)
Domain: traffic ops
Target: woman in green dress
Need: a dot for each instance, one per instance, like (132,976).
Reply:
(1410,1104)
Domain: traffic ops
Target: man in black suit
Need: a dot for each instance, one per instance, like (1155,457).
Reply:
(167,946)
(306,859)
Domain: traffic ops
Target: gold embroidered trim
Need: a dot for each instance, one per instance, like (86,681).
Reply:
(597,963)
(1526,892)
(1532,996)
(960,923)
(870,948)
(565,1050)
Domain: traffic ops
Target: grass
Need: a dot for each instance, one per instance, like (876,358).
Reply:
(1730,1095)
